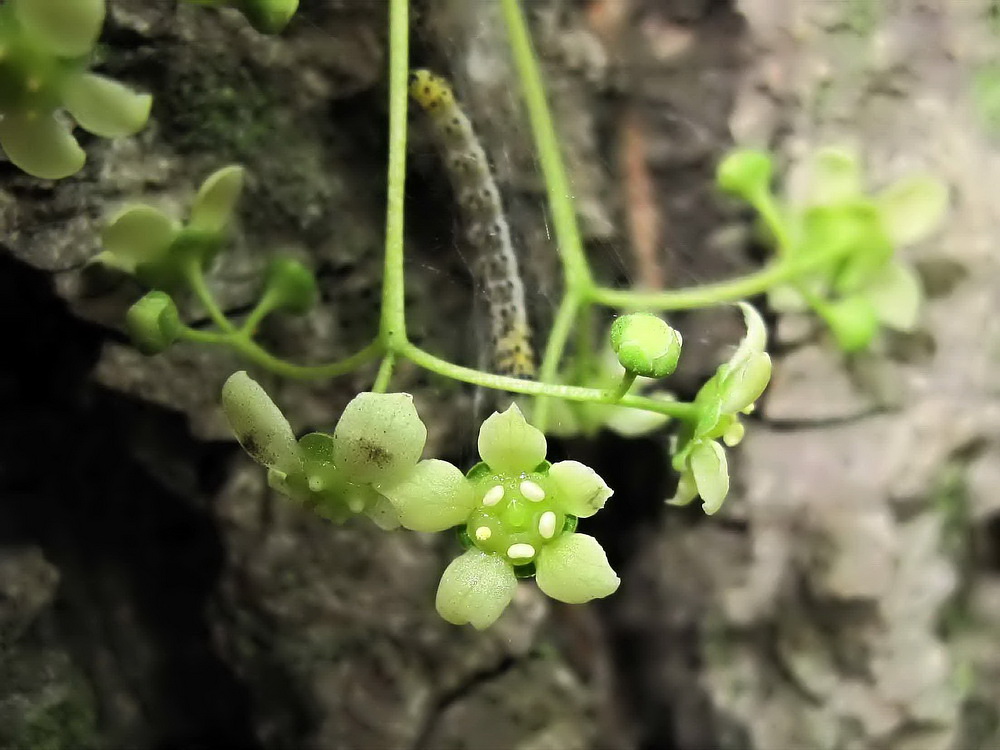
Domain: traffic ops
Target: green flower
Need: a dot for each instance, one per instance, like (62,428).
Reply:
(144,241)
(377,441)
(43,53)
(736,385)
(518,514)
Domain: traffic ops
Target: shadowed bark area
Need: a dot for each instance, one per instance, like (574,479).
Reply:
(155,594)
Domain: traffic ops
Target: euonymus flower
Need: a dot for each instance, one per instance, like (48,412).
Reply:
(377,441)
(144,241)
(737,384)
(865,285)
(44,46)
(518,514)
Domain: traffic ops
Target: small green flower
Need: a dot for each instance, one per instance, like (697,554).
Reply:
(518,513)
(377,442)
(144,241)
(736,385)
(44,46)
(153,322)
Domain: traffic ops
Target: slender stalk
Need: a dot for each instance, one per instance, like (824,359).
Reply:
(575,266)
(263,308)
(392,327)
(675,409)
(196,280)
(561,328)
(384,373)
(622,388)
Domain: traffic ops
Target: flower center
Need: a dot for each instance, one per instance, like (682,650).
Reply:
(515,516)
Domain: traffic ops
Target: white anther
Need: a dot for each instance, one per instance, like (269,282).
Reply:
(547,525)
(532,491)
(493,496)
(520,552)
(316,483)
(356,504)
(483,533)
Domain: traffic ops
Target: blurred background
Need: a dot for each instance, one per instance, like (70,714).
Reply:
(155,594)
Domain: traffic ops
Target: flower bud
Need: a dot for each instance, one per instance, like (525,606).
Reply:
(645,345)
(745,172)
(852,321)
(268,16)
(153,323)
(291,286)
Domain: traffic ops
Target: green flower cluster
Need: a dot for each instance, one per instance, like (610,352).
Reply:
(516,512)
(866,286)
(736,385)
(44,46)
(166,255)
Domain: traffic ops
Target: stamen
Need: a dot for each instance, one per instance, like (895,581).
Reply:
(520,551)
(483,533)
(316,483)
(493,496)
(532,491)
(356,504)
(547,525)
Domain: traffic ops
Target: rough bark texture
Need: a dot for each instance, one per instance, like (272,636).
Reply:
(155,594)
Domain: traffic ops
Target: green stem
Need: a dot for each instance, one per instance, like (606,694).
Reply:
(196,280)
(575,266)
(263,308)
(392,327)
(627,380)
(718,293)
(384,373)
(675,409)
(561,328)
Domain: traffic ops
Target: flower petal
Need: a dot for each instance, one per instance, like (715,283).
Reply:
(710,471)
(40,145)
(633,423)
(433,497)
(383,514)
(686,491)
(258,424)
(509,444)
(913,208)
(743,386)
(379,438)
(835,176)
(216,199)
(896,295)
(581,492)
(105,107)
(139,234)
(755,340)
(475,588)
(69,28)
(574,569)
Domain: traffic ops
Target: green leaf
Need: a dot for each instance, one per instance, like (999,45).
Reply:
(105,107)
(258,424)
(69,28)
(913,208)
(509,444)
(139,234)
(379,437)
(896,295)
(574,569)
(40,145)
(579,490)
(433,497)
(645,345)
(710,471)
(213,206)
(475,588)
(153,323)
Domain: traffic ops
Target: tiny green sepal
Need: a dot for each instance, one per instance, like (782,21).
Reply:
(645,345)
(290,286)
(153,323)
